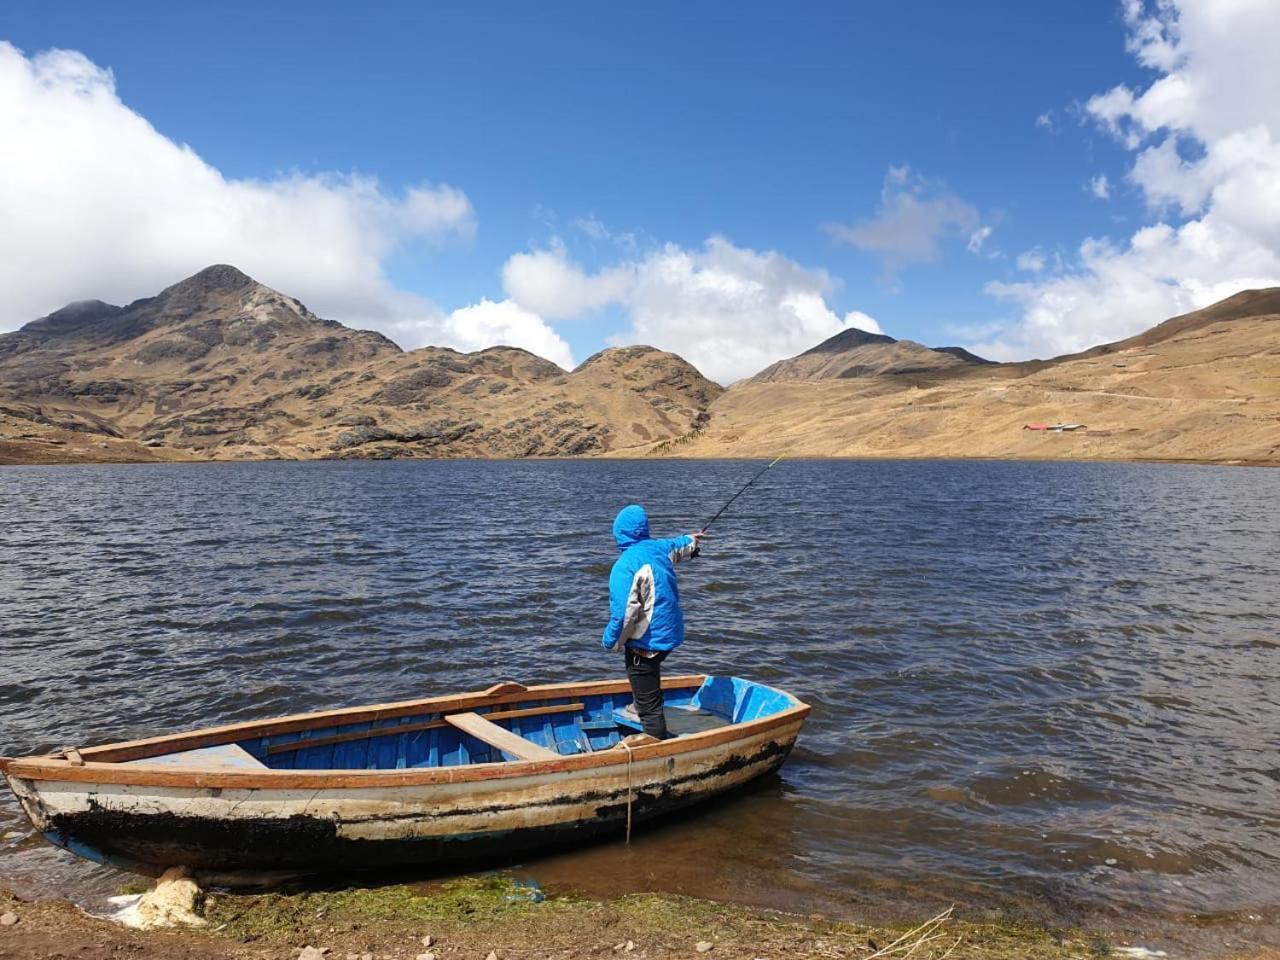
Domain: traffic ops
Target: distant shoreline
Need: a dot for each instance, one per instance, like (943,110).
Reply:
(8,461)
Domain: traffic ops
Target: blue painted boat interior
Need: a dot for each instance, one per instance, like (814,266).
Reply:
(599,725)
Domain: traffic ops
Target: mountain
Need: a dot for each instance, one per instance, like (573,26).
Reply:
(1203,386)
(963,354)
(855,353)
(1234,310)
(219,366)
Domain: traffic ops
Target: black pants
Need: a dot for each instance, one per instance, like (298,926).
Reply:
(645,674)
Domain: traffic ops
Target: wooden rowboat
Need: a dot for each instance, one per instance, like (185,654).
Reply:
(466,777)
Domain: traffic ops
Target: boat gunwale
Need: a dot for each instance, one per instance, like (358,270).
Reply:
(56,768)
(503,693)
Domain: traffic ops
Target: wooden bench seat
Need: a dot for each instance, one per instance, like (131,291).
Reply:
(494,735)
(227,756)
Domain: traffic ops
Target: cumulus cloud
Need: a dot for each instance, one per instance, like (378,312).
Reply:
(1100,187)
(915,216)
(730,311)
(858,320)
(487,323)
(548,282)
(1206,141)
(96,203)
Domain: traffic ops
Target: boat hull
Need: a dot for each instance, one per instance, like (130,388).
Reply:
(323,825)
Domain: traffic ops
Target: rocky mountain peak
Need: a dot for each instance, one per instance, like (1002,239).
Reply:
(199,291)
(614,355)
(73,316)
(848,340)
(221,277)
(855,354)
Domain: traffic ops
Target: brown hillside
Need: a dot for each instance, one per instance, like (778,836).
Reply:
(1203,386)
(221,367)
(855,353)
(1243,305)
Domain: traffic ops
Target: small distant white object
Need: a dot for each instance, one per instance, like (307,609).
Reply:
(1138,953)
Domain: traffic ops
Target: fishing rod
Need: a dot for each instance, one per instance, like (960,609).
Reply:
(739,493)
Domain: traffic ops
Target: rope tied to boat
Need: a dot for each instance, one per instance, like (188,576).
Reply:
(630,756)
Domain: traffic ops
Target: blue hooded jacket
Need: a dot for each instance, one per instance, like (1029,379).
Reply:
(644,602)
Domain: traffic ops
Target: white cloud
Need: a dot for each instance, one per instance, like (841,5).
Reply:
(1100,186)
(1031,260)
(978,238)
(915,215)
(859,321)
(1045,121)
(96,203)
(549,283)
(731,311)
(728,310)
(1206,134)
(1119,291)
(487,323)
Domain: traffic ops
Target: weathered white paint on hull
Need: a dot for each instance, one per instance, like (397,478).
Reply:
(172,800)
(440,811)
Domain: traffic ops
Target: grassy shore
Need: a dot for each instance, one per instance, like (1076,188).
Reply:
(481,916)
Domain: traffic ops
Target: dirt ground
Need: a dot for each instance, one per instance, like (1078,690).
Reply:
(489,917)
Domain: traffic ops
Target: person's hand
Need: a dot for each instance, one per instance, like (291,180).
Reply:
(697,541)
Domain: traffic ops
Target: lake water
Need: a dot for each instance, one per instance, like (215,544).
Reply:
(1037,688)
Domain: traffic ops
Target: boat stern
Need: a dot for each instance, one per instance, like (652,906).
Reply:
(27,792)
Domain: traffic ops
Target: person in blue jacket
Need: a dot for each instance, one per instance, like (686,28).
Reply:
(644,609)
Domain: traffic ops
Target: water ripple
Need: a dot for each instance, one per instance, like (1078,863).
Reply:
(1057,681)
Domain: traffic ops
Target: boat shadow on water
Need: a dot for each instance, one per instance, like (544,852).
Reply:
(604,864)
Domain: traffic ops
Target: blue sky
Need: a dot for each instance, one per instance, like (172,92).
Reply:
(606,132)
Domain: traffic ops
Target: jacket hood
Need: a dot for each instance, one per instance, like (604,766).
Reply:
(630,526)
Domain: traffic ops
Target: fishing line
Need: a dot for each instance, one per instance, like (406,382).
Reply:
(739,493)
